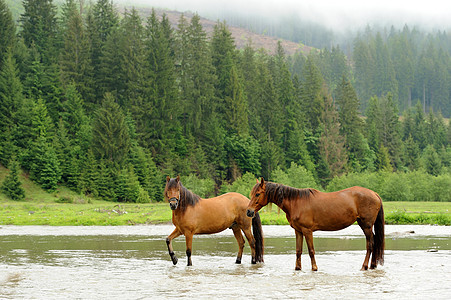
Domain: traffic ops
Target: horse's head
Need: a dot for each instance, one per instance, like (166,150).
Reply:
(172,191)
(258,198)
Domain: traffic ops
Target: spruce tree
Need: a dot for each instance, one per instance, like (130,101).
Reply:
(312,100)
(7,32)
(75,60)
(102,20)
(11,186)
(431,161)
(331,143)
(157,115)
(351,125)
(11,99)
(39,28)
(111,139)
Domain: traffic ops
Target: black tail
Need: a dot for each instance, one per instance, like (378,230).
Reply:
(379,237)
(257,230)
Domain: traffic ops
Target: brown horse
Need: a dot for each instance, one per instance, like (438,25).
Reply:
(193,215)
(308,210)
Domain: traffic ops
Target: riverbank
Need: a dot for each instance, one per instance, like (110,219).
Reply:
(104,213)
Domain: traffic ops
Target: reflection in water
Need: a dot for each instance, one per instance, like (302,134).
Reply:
(138,267)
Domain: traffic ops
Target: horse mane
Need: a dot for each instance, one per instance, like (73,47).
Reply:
(187,198)
(276,193)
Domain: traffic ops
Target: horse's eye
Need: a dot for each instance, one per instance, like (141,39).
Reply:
(258,194)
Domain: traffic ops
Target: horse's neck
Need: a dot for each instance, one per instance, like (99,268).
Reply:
(282,204)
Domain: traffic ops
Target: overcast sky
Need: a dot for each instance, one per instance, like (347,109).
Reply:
(337,14)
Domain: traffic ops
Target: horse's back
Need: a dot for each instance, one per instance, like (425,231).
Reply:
(216,214)
(339,209)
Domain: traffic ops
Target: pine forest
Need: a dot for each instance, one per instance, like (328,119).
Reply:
(109,103)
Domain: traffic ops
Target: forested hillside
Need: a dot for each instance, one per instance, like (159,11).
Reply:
(108,104)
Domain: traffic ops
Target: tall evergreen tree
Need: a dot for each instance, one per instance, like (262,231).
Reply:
(7,32)
(12,186)
(312,100)
(75,60)
(102,20)
(365,65)
(39,28)
(385,80)
(351,126)
(158,115)
(11,99)
(111,139)
(331,142)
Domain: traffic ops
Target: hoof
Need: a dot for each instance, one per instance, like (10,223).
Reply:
(314,269)
(238,261)
(297,268)
(174,260)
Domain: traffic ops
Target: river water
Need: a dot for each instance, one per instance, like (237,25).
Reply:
(131,262)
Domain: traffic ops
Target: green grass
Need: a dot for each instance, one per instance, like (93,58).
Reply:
(95,212)
(65,207)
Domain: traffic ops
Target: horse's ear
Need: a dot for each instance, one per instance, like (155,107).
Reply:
(256,179)
(178,178)
(168,178)
(262,182)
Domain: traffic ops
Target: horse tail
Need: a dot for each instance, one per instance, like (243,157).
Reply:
(257,230)
(379,236)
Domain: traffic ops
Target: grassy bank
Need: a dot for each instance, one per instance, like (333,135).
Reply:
(66,207)
(82,212)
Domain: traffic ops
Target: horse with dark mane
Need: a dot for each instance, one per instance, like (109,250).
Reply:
(193,215)
(308,210)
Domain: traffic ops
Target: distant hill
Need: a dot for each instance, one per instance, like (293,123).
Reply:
(241,36)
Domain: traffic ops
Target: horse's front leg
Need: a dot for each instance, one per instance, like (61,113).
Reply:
(189,245)
(169,239)
(311,250)
(299,242)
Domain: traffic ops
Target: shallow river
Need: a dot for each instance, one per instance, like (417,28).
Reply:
(131,262)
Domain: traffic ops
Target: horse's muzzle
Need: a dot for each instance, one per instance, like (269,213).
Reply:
(173,203)
(250,213)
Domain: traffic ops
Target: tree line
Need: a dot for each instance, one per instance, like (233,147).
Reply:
(110,104)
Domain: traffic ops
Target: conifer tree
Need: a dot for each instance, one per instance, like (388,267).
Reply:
(128,188)
(223,58)
(111,139)
(75,60)
(147,173)
(351,125)
(102,20)
(7,32)
(157,116)
(44,167)
(235,106)
(11,186)
(383,159)
(11,99)
(331,143)
(89,175)
(39,28)
(312,100)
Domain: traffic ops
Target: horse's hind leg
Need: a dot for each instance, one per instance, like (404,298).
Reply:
(311,250)
(169,239)
(369,243)
(240,240)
